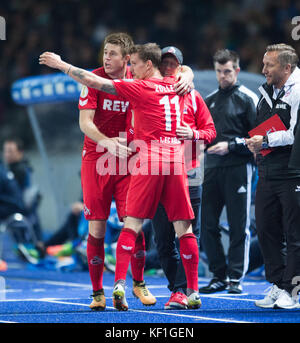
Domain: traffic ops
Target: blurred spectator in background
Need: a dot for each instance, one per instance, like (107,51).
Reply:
(10,202)
(12,210)
(68,236)
(10,194)
(13,155)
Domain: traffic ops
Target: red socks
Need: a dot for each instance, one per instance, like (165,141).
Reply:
(190,259)
(130,248)
(95,259)
(124,252)
(138,258)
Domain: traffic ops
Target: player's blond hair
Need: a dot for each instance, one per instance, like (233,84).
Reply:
(122,39)
(286,54)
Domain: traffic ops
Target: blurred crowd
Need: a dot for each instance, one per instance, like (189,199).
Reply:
(76,29)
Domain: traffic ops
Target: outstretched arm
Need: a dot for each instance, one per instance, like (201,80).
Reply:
(80,75)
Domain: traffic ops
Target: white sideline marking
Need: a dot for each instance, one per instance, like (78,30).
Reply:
(68,284)
(154,312)
(61,283)
(32,299)
(229,297)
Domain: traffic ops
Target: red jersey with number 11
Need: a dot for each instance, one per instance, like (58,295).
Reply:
(157,113)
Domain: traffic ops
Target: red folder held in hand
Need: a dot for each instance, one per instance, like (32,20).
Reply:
(270,125)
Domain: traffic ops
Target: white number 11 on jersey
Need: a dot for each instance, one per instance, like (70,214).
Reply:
(167,105)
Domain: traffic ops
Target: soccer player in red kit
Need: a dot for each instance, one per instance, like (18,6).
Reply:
(103,117)
(157,112)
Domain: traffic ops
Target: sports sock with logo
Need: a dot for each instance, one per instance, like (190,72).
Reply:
(95,258)
(189,254)
(124,251)
(138,258)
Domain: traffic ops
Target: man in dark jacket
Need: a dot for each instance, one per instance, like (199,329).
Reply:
(10,194)
(277,204)
(227,177)
(13,155)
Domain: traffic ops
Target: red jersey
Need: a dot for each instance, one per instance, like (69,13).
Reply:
(112,113)
(198,117)
(157,113)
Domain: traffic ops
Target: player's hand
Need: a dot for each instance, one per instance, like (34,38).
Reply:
(254,143)
(184,85)
(77,207)
(117,146)
(184,79)
(184,131)
(51,60)
(220,148)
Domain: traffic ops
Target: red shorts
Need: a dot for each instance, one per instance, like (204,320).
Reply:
(146,191)
(98,191)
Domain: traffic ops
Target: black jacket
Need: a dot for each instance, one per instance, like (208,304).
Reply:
(22,172)
(233,111)
(278,164)
(10,194)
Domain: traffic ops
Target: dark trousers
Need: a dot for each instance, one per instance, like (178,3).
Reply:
(167,245)
(277,211)
(67,232)
(230,187)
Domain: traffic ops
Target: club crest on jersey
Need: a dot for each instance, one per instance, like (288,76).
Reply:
(84,92)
